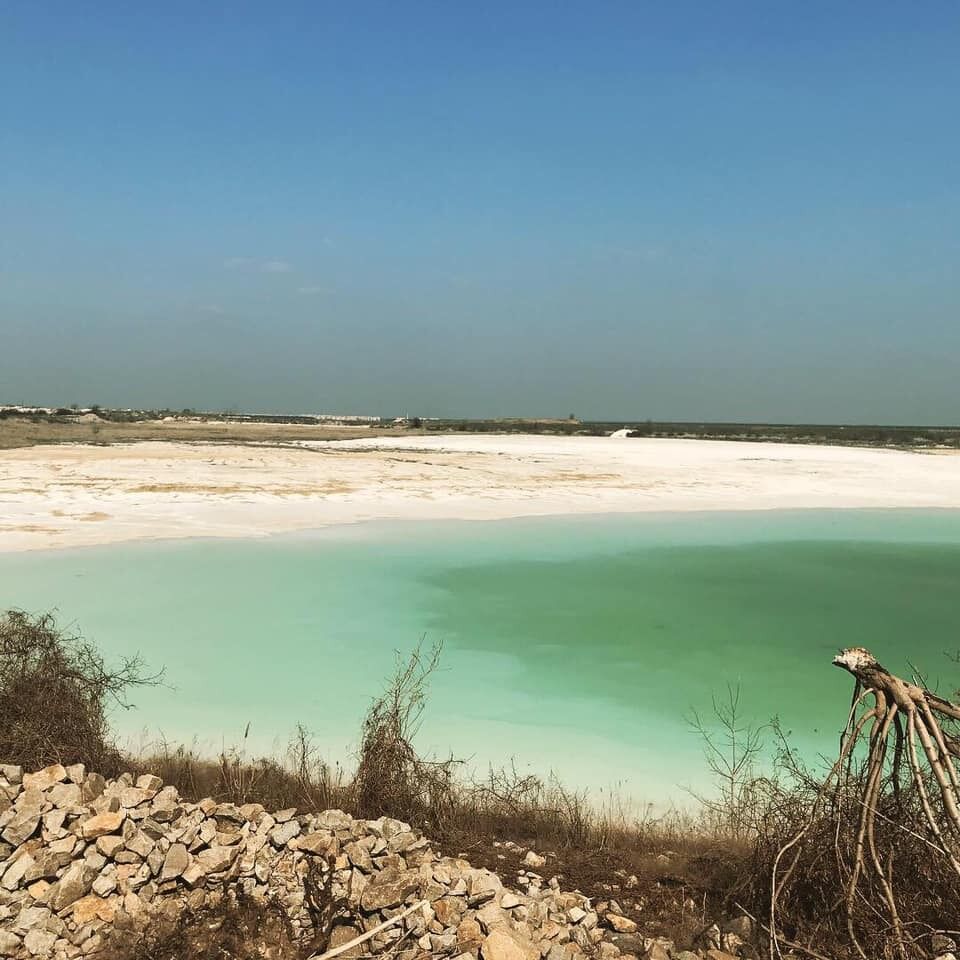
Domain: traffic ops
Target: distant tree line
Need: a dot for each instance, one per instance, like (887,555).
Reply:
(849,434)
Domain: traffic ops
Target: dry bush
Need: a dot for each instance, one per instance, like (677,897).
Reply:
(301,778)
(537,810)
(55,690)
(732,747)
(814,876)
(391,778)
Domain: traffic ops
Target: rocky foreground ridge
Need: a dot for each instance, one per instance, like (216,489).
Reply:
(83,858)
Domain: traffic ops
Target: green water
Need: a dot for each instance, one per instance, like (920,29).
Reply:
(574,644)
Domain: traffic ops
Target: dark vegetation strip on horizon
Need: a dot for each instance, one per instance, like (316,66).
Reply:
(18,429)
(832,434)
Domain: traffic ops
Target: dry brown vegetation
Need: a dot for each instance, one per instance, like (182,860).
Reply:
(863,861)
(54,693)
(122,427)
(673,862)
(833,874)
(28,432)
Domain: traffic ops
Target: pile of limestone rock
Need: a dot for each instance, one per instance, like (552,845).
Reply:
(81,857)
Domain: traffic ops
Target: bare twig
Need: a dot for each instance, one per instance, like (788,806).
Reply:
(363,938)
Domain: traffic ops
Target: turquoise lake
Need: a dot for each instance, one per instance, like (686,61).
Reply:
(578,644)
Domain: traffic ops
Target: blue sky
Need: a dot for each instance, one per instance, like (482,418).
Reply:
(627,210)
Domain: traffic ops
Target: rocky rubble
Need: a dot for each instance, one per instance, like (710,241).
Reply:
(81,857)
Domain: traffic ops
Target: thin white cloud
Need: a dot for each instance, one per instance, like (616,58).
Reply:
(258,265)
(650,253)
(310,291)
(276,266)
(213,308)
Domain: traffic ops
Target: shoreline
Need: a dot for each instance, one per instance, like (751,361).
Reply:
(390,528)
(59,497)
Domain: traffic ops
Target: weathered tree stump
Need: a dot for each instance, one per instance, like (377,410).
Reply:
(909,717)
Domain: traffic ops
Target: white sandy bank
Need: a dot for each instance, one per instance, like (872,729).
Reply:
(71,495)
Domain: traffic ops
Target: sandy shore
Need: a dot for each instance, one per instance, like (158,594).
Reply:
(73,495)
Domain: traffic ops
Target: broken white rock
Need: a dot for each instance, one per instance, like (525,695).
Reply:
(131,851)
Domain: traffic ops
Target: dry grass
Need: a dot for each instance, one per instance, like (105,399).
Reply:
(299,778)
(28,432)
(672,872)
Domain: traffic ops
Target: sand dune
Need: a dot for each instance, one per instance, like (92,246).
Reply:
(71,495)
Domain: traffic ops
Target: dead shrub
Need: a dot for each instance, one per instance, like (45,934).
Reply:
(391,778)
(535,809)
(732,747)
(809,836)
(55,689)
